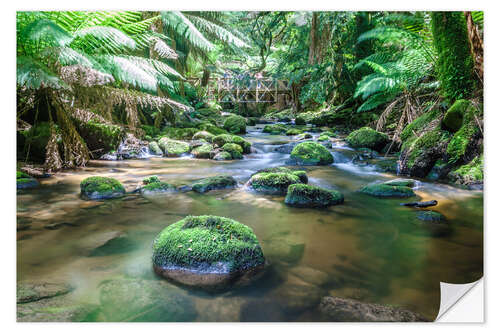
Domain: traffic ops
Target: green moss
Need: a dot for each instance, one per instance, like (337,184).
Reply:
(323,138)
(274,129)
(384,190)
(36,138)
(150,179)
(200,240)
(211,128)
(469,173)
(101,137)
(311,153)
(20,175)
(386,165)
(244,144)
(202,151)
(455,63)
(173,148)
(273,182)
(418,146)
(157,187)
(150,131)
(223,156)
(300,120)
(214,183)
(235,124)
(203,135)
(401,182)
(154,148)
(367,137)
(419,124)
(461,139)
(429,215)
(304,136)
(294,131)
(299,173)
(454,117)
(101,188)
(25,181)
(222,139)
(301,195)
(234,149)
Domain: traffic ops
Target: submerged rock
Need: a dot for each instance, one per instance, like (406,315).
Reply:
(24,181)
(98,188)
(276,180)
(367,137)
(173,148)
(432,223)
(214,183)
(208,252)
(138,300)
(34,291)
(387,191)
(311,153)
(342,309)
(302,195)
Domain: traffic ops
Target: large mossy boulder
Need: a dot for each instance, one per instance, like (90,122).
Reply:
(302,195)
(25,181)
(274,129)
(154,148)
(98,188)
(367,137)
(235,124)
(222,139)
(214,183)
(208,252)
(454,117)
(101,138)
(311,153)
(203,135)
(223,156)
(139,300)
(275,181)
(202,151)
(471,173)
(299,120)
(173,148)
(233,149)
(387,191)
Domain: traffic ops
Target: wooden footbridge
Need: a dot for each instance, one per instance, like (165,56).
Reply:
(232,89)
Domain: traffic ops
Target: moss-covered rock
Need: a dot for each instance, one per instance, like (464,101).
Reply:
(25,181)
(467,139)
(386,165)
(323,138)
(299,173)
(179,133)
(157,187)
(101,138)
(173,148)
(214,183)
(273,182)
(431,223)
(299,120)
(203,135)
(97,188)
(274,129)
(223,156)
(454,117)
(302,195)
(202,151)
(244,144)
(311,153)
(401,182)
(387,191)
(470,173)
(294,131)
(150,179)
(154,148)
(213,129)
(367,137)
(235,124)
(233,149)
(304,136)
(207,252)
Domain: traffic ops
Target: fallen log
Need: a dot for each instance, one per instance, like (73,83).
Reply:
(421,204)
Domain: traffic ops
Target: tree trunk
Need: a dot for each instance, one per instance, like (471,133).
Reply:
(476,43)
(313,37)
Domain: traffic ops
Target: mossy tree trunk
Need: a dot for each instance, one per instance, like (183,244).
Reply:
(455,62)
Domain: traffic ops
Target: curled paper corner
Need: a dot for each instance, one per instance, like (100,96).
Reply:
(452,293)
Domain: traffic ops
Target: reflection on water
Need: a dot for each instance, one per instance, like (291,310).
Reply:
(364,249)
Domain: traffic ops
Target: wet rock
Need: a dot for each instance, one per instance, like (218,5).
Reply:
(310,275)
(233,149)
(154,148)
(302,195)
(117,245)
(275,182)
(296,298)
(289,251)
(34,291)
(367,138)
(387,191)
(293,131)
(342,309)
(24,181)
(57,309)
(139,300)
(208,137)
(208,252)
(157,188)
(401,182)
(223,156)
(184,188)
(214,183)
(98,188)
(87,245)
(310,153)
(235,124)
(274,129)
(431,223)
(286,148)
(173,148)
(203,151)
(421,204)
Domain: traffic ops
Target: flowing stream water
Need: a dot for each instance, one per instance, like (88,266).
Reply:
(362,249)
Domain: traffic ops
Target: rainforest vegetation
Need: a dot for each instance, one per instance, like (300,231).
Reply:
(238,140)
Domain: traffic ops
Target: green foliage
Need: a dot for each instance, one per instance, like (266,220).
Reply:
(455,63)
(197,240)
(311,153)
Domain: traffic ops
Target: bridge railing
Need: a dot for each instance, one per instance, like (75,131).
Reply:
(242,90)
